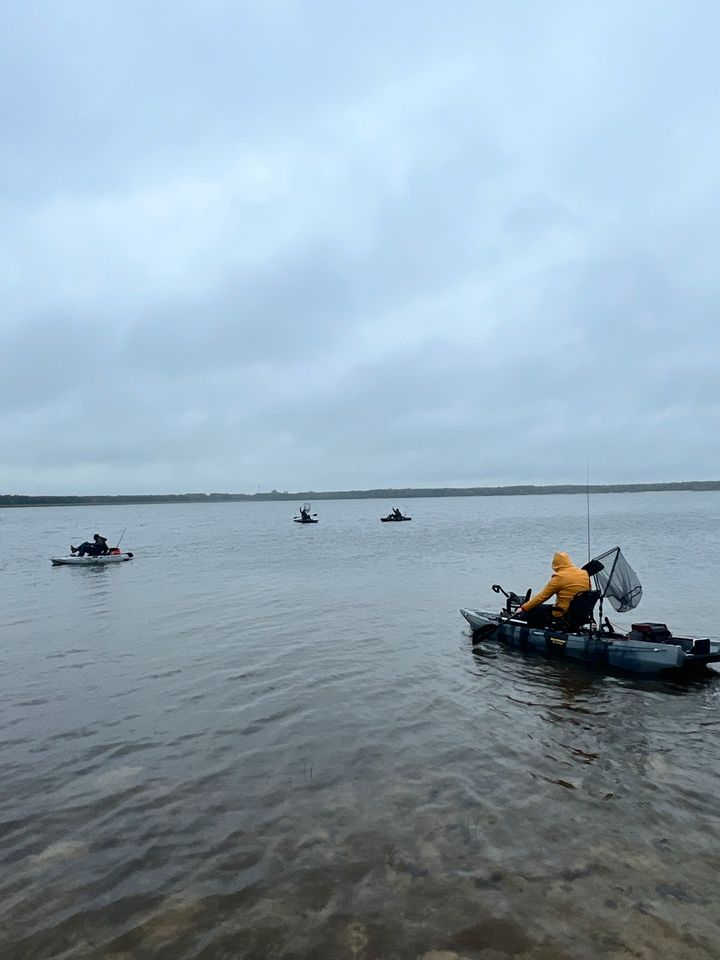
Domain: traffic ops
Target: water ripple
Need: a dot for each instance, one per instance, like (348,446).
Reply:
(294,750)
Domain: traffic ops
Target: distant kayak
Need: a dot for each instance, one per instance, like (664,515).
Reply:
(305,515)
(101,561)
(393,519)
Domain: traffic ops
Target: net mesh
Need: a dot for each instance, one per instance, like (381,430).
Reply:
(618,581)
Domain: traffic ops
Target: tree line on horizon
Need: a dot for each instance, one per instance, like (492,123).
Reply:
(22,500)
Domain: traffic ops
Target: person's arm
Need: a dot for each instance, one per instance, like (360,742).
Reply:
(547,591)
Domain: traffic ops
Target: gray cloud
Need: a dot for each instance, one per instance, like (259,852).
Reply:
(319,245)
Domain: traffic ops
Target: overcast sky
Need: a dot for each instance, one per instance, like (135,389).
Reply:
(323,245)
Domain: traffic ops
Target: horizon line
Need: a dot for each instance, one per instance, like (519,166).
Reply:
(373,493)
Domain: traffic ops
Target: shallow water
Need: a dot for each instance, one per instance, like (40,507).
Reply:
(265,740)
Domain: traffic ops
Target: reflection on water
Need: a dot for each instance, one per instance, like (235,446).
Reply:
(292,750)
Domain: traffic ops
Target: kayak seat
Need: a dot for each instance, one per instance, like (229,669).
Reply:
(580,610)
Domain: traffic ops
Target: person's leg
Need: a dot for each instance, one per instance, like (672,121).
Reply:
(84,549)
(540,616)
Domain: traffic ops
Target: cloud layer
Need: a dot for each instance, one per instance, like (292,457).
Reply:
(316,245)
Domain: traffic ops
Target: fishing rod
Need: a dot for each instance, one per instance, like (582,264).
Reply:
(117,545)
(587,494)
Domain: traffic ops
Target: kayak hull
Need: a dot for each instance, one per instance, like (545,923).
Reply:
(298,520)
(73,561)
(615,651)
(394,519)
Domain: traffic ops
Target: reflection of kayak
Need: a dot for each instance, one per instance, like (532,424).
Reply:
(74,561)
(301,520)
(392,519)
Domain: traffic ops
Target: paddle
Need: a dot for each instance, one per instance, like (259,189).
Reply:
(484,633)
(487,632)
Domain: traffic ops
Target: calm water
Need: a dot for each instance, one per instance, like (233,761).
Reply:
(262,740)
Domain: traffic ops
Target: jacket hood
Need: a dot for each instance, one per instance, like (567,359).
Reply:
(560,561)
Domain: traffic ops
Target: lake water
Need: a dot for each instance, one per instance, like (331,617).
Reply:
(263,740)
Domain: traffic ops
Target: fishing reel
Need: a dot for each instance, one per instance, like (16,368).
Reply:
(513,600)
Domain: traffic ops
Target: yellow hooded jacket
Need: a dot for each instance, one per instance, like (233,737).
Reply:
(565,582)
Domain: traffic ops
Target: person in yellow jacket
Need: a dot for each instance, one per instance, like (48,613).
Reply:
(566,581)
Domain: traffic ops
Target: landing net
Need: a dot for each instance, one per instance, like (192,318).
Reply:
(618,581)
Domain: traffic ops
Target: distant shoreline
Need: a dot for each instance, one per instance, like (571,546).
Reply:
(19,500)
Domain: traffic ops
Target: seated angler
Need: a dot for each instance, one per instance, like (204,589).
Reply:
(566,581)
(97,548)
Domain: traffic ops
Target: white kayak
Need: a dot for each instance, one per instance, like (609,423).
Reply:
(75,561)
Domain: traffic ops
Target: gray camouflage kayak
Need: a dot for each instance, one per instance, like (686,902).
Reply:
(579,635)
(622,651)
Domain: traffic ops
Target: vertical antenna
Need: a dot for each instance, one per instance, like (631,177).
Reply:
(587,494)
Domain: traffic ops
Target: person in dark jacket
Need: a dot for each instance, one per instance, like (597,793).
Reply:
(98,548)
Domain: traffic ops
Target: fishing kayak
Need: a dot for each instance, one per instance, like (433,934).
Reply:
(75,561)
(306,514)
(623,651)
(392,519)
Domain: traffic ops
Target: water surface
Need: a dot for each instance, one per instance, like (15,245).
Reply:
(266,740)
